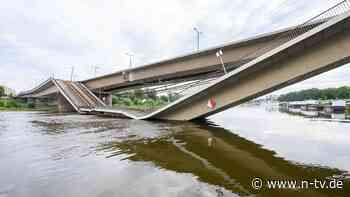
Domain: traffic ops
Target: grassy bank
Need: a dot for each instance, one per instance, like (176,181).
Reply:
(141,104)
(143,100)
(9,104)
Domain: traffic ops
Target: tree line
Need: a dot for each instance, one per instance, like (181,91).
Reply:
(2,91)
(316,94)
(143,98)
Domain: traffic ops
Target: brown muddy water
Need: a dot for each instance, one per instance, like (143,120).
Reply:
(72,155)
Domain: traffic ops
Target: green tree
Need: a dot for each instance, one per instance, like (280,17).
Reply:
(317,94)
(2,91)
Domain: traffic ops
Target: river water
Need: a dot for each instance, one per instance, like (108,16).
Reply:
(72,155)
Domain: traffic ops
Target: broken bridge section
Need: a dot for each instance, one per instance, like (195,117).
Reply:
(78,96)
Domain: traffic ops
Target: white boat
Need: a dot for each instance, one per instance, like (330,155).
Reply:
(335,109)
(310,108)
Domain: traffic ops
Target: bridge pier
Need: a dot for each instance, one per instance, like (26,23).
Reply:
(106,98)
(42,102)
(63,105)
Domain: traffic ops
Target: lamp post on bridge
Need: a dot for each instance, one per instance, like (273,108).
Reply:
(131,57)
(75,77)
(198,33)
(72,73)
(95,70)
(219,56)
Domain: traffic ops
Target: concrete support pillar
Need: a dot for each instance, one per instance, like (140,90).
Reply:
(106,98)
(40,102)
(63,105)
(109,100)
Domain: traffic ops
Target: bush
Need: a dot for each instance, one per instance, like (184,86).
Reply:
(2,91)
(15,104)
(139,100)
(12,104)
(115,100)
(316,94)
(164,98)
(127,101)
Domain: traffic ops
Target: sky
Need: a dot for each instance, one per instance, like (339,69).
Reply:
(40,38)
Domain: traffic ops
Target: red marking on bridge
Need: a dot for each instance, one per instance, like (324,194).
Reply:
(211,103)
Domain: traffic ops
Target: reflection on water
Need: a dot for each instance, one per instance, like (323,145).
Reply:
(72,155)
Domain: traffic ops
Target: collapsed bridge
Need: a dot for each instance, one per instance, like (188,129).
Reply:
(255,67)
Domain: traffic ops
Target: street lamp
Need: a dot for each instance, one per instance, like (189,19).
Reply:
(219,56)
(75,77)
(95,70)
(129,74)
(198,33)
(131,57)
(72,73)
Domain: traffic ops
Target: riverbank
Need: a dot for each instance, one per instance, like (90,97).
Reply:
(140,103)
(10,104)
(2,109)
(334,109)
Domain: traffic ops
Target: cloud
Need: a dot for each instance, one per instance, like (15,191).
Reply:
(39,38)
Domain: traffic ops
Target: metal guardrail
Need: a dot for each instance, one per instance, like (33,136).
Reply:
(91,94)
(80,98)
(85,102)
(36,88)
(289,35)
(311,23)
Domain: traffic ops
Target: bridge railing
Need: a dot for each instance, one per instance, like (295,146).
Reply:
(23,93)
(298,30)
